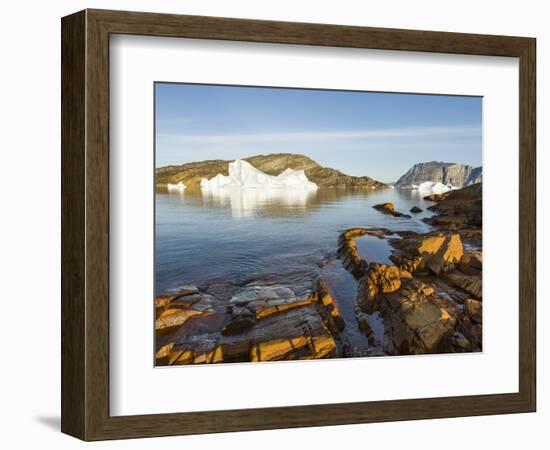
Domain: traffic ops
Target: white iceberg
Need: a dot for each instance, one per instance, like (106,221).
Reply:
(432,187)
(178,186)
(244,175)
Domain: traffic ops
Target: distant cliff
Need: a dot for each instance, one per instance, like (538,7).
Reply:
(192,173)
(458,175)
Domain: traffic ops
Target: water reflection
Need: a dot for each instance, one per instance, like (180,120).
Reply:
(262,202)
(280,202)
(247,203)
(258,201)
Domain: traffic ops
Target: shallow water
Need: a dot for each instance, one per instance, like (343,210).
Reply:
(234,234)
(373,249)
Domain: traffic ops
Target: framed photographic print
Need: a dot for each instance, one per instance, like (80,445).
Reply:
(271,225)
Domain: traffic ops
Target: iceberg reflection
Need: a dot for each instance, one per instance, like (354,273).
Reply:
(251,202)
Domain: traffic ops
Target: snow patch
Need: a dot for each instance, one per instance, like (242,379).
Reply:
(244,175)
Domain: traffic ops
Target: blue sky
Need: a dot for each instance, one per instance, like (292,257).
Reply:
(380,135)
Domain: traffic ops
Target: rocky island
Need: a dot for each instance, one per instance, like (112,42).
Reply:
(191,174)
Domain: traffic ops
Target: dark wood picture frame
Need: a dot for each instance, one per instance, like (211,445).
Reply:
(85,224)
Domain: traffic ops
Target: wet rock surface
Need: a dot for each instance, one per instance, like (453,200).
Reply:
(261,321)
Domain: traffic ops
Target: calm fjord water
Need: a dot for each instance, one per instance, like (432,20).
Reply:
(234,234)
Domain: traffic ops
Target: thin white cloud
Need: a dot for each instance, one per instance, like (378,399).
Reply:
(450,131)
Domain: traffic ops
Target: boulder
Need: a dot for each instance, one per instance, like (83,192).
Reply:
(211,357)
(386,278)
(239,324)
(188,348)
(329,304)
(162,355)
(258,301)
(379,279)
(298,333)
(385,207)
(348,253)
(469,283)
(404,274)
(456,343)
(186,301)
(187,289)
(180,309)
(415,323)
(162,301)
(457,295)
(416,210)
(388,208)
(438,252)
(472,331)
(301,347)
(473,309)
(466,202)
(471,263)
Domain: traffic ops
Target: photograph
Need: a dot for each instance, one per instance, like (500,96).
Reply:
(303,224)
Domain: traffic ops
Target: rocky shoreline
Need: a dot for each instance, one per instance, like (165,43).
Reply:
(260,322)
(429,300)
